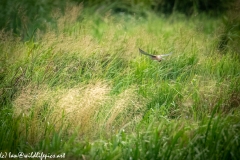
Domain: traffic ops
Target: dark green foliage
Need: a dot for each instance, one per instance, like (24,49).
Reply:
(188,7)
(19,15)
(230,34)
(24,16)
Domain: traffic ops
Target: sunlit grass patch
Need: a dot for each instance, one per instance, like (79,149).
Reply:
(128,109)
(89,110)
(67,108)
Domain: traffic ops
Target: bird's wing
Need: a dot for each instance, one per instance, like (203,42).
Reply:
(164,55)
(145,53)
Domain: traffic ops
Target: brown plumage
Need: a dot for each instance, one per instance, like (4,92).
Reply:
(158,58)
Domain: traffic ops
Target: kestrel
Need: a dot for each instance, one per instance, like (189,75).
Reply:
(158,58)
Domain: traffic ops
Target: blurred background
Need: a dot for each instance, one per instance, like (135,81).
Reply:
(22,17)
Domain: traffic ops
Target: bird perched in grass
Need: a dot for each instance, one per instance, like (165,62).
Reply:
(158,58)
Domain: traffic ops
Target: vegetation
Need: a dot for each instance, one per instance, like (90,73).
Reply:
(80,87)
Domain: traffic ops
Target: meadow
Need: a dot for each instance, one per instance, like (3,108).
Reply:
(82,88)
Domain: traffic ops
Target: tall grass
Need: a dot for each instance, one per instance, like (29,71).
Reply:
(83,88)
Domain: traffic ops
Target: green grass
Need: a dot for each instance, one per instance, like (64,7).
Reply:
(83,89)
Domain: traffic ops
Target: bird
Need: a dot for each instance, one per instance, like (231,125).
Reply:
(158,58)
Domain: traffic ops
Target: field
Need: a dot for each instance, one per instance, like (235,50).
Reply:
(82,88)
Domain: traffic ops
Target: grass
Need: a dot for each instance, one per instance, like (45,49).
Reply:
(82,88)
